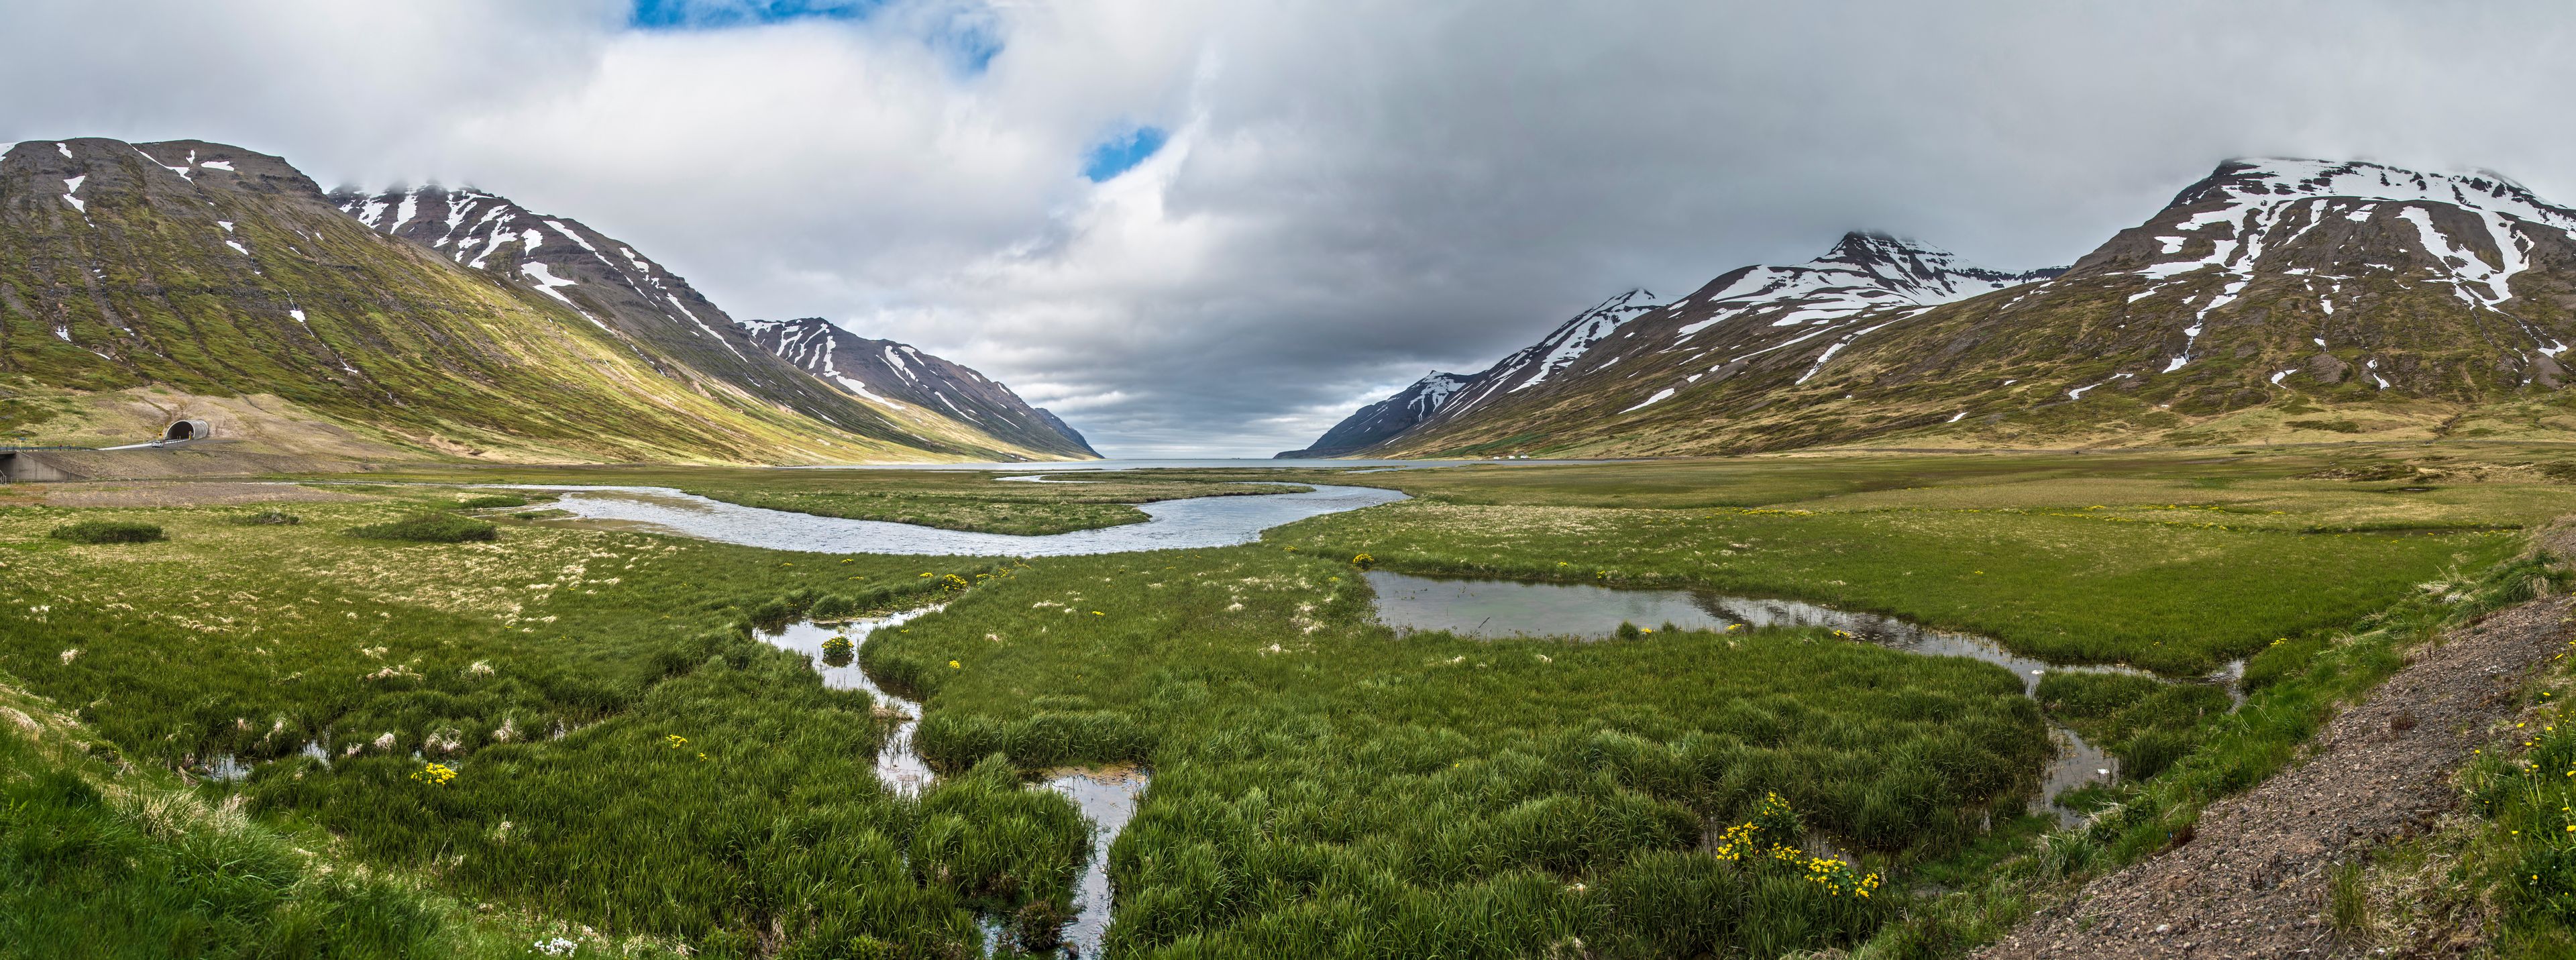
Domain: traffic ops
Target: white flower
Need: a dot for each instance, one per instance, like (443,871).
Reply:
(70,655)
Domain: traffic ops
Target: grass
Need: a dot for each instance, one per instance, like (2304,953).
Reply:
(252,642)
(2176,597)
(2146,723)
(620,751)
(1320,781)
(429,528)
(108,531)
(98,860)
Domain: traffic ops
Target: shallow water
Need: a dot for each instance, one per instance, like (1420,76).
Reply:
(1106,796)
(1508,608)
(899,765)
(1176,524)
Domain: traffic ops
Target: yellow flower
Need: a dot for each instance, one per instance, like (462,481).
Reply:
(676,741)
(954,665)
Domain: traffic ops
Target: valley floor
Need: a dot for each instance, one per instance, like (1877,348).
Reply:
(584,729)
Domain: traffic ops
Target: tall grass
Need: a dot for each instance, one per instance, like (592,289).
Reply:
(550,671)
(98,864)
(1325,787)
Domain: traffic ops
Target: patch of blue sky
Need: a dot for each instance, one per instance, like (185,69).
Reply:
(695,14)
(968,36)
(1121,153)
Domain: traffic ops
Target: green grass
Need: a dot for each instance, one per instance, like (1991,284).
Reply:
(1327,787)
(1322,786)
(2146,723)
(101,863)
(429,528)
(492,501)
(254,641)
(108,531)
(2178,598)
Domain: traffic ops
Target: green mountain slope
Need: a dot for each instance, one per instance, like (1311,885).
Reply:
(2276,300)
(189,277)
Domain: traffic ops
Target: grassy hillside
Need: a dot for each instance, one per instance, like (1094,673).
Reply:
(240,279)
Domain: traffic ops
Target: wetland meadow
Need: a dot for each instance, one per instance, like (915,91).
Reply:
(1874,705)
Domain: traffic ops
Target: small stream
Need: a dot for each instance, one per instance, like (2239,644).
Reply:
(1512,608)
(1106,796)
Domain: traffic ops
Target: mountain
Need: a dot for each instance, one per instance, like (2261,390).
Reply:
(2274,300)
(1864,276)
(897,375)
(1447,395)
(608,283)
(144,282)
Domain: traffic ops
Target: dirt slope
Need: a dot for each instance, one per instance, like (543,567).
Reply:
(2253,882)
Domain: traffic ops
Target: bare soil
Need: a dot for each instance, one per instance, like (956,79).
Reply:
(2253,880)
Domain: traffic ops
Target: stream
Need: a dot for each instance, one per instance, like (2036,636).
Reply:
(1107,796)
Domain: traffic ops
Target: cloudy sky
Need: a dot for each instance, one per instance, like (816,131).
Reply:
(1216,227)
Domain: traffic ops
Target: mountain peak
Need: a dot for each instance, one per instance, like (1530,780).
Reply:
(2270,180)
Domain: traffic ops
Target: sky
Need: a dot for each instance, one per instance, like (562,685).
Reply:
(1216,228)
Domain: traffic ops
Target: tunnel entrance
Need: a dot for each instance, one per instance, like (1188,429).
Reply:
(184,430)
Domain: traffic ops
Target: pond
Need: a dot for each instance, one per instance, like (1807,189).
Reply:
(1511,608)
(1107,797)
(1189,523)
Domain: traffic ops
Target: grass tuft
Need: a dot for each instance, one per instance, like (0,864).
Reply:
(109,531)
(429,528)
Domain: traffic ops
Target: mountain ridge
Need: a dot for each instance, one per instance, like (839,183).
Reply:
(2282,299)
(892,373)
(143,282)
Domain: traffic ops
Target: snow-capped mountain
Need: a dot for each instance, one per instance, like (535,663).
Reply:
(2346,234)
(2275,298)
(896,374)
(1866,279)
(223,282)
(1442,394)
(607,282)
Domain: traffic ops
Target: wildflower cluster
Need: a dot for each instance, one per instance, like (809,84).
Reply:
(838,646)
(1363,561)
(1773,834)
(1839,879)
(676,741)
(954,583)
(436,774)
(1774,830)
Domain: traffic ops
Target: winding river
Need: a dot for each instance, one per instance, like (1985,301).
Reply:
(1191,523)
